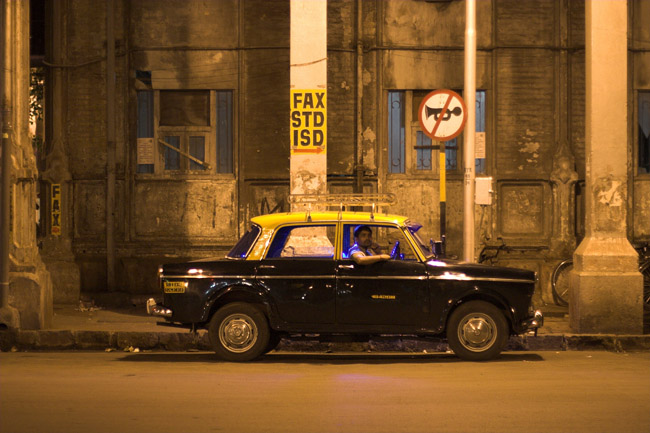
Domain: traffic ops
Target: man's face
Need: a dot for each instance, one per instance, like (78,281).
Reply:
(364,239)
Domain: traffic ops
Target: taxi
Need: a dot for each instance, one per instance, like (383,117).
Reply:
(299,273)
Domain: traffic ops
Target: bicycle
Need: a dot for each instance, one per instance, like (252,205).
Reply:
(560,278)
(491,258)
(483,255)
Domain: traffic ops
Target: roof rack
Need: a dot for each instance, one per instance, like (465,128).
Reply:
(342,200)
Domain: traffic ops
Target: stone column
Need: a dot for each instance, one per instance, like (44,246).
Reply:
(308,97)
(57,244)
(30,288)
(606,285)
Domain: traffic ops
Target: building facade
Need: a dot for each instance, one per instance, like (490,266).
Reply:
(211,79)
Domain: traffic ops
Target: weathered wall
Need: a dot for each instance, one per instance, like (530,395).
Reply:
(530,62)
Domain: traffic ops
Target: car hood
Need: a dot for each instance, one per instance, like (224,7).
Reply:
(459,270)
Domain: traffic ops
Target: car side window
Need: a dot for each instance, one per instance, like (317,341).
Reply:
(383,237)
(304,241)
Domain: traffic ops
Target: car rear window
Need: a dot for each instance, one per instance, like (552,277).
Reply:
(304,241)
(243,246)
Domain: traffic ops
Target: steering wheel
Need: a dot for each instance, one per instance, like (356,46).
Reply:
(395,252)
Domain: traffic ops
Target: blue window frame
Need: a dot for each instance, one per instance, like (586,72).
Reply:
(224,137)
(423,155)
(396,132)
(644,133)
(189,123)
(172,158)
(145,123)
(197,150)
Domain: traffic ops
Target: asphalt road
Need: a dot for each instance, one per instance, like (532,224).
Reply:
(192,392)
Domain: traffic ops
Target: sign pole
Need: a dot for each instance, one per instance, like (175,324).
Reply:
(443,195)
(442,115)
(468,151)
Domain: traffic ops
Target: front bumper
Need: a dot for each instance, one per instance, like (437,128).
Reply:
(533,323)
(155,309)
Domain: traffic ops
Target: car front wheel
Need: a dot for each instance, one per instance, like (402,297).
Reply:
(238,332)
(477,331)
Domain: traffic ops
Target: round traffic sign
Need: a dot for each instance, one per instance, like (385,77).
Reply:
(442,115)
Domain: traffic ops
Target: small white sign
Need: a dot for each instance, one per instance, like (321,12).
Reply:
(483,191)
(145,151)
(479,145)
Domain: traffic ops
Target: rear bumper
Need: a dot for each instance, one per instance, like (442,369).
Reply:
(155,309)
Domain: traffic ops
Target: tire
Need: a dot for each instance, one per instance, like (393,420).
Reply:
(477,331)
(560,282)
(274,340)
(238,332)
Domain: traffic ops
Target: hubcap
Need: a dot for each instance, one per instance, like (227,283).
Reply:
(477,332)
(238,333)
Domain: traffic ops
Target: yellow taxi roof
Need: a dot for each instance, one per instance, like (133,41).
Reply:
(271,221)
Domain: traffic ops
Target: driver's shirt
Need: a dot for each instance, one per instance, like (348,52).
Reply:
(356,249)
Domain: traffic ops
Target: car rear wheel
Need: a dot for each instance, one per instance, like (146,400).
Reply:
(274,340)
(477,331)
(238,332)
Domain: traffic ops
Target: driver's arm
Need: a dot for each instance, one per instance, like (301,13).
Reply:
(362,259)
(376,248)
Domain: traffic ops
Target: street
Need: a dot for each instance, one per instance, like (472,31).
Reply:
(192,392)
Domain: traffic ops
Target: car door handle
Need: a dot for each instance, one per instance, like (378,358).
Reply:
(346,266)
(266,267)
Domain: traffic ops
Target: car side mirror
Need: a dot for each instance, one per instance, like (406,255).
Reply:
(437,248)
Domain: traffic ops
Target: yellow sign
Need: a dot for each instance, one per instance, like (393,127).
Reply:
(55,220)
(389,297)
(175,286)
(308,121)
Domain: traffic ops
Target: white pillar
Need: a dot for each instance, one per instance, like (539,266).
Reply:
(308,97)
(470,127)
(606,286)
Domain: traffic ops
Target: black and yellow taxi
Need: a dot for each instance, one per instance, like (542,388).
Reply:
(298,273)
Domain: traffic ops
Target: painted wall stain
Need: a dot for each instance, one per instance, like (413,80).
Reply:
(611,196)
(369,135)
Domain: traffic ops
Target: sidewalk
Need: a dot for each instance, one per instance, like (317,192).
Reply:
(86,327)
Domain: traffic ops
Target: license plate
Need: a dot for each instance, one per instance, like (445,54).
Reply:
(174,286)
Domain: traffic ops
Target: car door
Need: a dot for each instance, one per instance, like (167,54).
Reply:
(392,292)
(298,272)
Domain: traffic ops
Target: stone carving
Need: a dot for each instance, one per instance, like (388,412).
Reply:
(563,179)
(563,165)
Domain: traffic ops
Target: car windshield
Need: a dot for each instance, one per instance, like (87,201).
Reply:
(413,227)
(241,248)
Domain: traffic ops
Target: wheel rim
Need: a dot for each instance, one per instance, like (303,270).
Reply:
(477,332)
(238,333)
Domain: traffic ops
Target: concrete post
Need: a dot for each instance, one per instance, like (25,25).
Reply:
(30,288)
(8,315)
(606,285)
(469,161)
(308,94)
(57,247)
(110,145)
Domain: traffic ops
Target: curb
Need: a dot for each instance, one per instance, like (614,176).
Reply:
(56,340)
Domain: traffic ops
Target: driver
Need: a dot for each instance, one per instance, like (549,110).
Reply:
(365,251)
